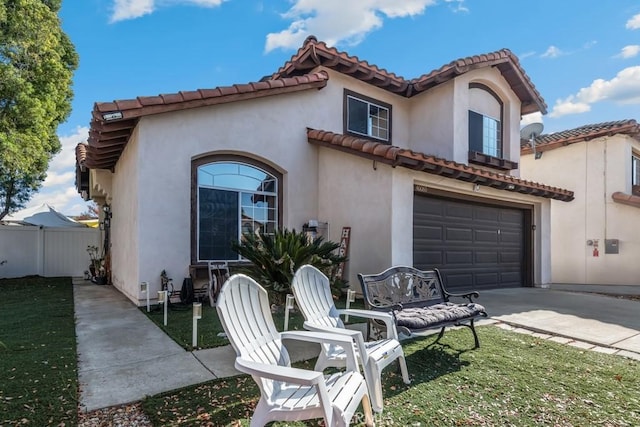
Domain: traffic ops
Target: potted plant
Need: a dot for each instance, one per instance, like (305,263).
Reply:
(96,266)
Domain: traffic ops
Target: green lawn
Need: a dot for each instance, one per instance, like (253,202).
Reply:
(38,372)
(512,380)
(180,323)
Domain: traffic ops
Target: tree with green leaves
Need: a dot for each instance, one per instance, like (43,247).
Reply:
(37,61)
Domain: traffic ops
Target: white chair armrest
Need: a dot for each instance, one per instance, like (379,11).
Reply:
(346,342)
(331,330)
(387,318)
(279,373)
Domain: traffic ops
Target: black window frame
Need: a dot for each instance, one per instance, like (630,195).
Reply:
(370,101)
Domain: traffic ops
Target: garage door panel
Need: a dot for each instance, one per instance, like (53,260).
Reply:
(433,233)
(488,214)
(459,234)
(486,236)
(475,246)
(457,257)
(486,257)
(458,211)
(430,257)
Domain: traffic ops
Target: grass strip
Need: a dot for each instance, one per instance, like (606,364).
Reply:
(38,369)
(512,380)
(180,323)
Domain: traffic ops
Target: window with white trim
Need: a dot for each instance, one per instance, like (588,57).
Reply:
(232,198)
(367,117)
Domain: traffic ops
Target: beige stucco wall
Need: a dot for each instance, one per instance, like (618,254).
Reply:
(439,118)
(151,186)
(594,170)
(125,221)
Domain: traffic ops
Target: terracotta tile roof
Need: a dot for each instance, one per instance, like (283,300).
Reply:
(81,154)
(397,156)
(314,53)
(626,199)
(113,122)
(583,133)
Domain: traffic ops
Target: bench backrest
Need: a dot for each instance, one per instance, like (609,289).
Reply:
(402,285)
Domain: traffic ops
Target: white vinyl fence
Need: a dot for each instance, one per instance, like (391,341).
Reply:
(48,252)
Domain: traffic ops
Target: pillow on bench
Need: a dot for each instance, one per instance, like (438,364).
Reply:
(435,315)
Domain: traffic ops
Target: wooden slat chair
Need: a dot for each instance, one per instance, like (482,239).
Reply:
(312,291)
(286,393)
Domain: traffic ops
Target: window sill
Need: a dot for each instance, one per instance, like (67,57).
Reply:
(368,137)
(490,161)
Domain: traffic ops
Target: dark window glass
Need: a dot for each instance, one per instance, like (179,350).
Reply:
(358,116)
(475,132)
(218,224)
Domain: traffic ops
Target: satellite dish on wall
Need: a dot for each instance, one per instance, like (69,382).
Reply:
(530,132)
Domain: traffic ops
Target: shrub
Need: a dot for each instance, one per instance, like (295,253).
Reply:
(276,257)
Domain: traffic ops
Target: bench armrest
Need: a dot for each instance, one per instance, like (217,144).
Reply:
(468,296)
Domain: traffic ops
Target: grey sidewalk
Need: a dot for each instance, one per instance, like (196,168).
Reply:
(123,356)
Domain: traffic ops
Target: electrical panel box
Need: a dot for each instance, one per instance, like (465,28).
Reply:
(611,246)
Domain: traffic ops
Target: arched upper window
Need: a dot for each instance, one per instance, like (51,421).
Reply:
(232,197)
(485,120)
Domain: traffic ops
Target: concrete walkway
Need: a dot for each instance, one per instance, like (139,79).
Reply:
(123,356)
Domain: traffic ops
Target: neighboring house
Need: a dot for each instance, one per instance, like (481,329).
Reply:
(595,239)
(424,171)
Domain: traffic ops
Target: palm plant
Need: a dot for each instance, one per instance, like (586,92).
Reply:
(276,257)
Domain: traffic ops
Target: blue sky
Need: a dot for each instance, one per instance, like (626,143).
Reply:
(583,56)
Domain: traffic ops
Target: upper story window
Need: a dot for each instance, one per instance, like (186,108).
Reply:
(364,116)
(635,174)
(486,135)
(232,198)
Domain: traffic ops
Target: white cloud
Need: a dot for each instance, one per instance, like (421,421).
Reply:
(457,5)
(58,189)
(132,9)
(552,52)
(634,22)
(629,51)
(527,54)
(335,21)
(624,88)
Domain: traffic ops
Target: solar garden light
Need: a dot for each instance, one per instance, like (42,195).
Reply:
(288,307)
(197,314)
(144,288)
(351,297)
(162,299)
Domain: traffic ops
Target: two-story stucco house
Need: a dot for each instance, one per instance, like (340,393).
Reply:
(424,171)
(595,238)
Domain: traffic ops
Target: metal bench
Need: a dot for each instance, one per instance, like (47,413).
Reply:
(418,300)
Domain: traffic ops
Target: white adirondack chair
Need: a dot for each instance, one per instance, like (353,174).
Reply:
(286,393)
(313,295)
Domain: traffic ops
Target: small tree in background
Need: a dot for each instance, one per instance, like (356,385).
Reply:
(37,61)
(276,257)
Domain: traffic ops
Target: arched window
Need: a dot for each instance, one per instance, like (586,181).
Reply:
(485,120)
(232,197)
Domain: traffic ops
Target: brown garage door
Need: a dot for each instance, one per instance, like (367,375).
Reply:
(475,246)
